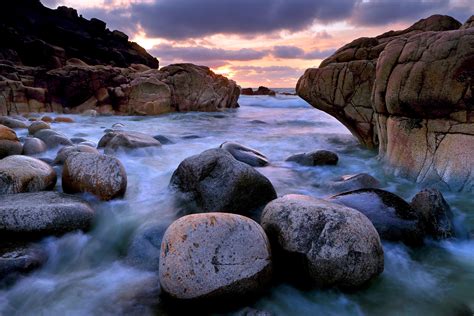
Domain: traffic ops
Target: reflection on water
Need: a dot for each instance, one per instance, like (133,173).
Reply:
(87,273)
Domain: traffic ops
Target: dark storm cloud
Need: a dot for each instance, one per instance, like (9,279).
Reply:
(289,52)
(178,19)
(200,53)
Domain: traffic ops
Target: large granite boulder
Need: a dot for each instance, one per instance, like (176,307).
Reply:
(214,256)
(42,213)
(214,181)
(20,174)
(330,244)
(409,93)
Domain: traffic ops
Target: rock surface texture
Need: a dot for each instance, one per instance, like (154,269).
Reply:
(409,93)
(331,244)
(214,255)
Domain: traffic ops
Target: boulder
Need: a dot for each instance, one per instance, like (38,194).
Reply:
(123,140)
(62,119)
(100,175)
(53,138)
(9,143)
(36,126)
(20,258)
(42,213)
(214,256)
(353,182)
(315,158)
(393,217)
(332,245)
(216,182)
(246,91)
(33,146)
(435,213)
(264,91)
(245,154)
(20,174)
(163,139)
(12,122)
(64,152)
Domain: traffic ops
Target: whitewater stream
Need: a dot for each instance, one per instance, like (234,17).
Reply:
(90,274)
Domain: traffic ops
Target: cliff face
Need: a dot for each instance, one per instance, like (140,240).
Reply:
(409,93)
(34,35)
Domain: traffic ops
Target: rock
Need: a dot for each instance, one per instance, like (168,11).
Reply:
(264,91)
(315,158)
(9,143)
(62,119)
(353,182)
(214,256)
(64,152)
(394,219)
(333,245)
(42,214)
(47,119)
(121,140)
(245,154)
(36,126)
(435,213)
(11,122)
(246,91)
(17,259)
(145,247)
(53,138)
(20,174)
(216,182)
(101,175)
(163,140)
(33,146)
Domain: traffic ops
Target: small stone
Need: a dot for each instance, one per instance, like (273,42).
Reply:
(315,158)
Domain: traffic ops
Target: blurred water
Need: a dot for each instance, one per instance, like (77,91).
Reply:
(87,274)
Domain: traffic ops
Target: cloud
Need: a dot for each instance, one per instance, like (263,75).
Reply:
(293,52)
(285,76)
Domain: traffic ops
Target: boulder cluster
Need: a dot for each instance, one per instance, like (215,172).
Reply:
(409,94)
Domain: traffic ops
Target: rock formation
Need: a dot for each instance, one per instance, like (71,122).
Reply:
(409,93)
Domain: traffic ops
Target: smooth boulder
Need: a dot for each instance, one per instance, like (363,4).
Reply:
(353,182)
(33,146)
(37,126)
(53,138)
(20,174)
(101,175)
(245,154)
(214,256)
(42,214)
(315,158)
(124,141)
(393,217)
(9,143)
(216,182)
(64,152)
(329,244)
(12,122)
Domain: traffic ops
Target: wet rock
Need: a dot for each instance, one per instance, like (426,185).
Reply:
(191,137)
(25,174)
(353,182)
(216,182)
(62,119)
(435,213)
(53,138)
(33,146)
(9,143)
(331,244)
(101,175)
(42,214)
(122,141)
(77,140)
(20,258)
(214,255)
(163,139)
(315,158)
(246,91)
(11,122)
(245,154)
(64,152)
(47,119)
(394,219)
(36,126)
(264,91)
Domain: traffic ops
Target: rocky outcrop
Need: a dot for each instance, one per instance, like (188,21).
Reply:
(409,93)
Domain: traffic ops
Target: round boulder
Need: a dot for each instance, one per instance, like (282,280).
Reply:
(216,182)
(245,154)
(53,138)
(42,214)
(214,255)
(64,152)
(353,182)
(9,143)
(12,122)
(393,217)
(36,126)
(331,244)
(124,141)
(25,174)
(33,146)
(315,158)
(101,175)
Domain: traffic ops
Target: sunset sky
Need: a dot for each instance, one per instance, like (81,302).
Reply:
(257,42)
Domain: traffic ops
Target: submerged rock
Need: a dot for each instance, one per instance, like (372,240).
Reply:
(9,143)
(213,256)
(393,217)
(42,213)
(331,244)
(19,258)
(353,182)
(216,182)
(245,154)
(315,158)
(101,175)
(25,174)
(435,213)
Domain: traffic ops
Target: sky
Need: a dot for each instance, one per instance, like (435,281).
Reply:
(257,42)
